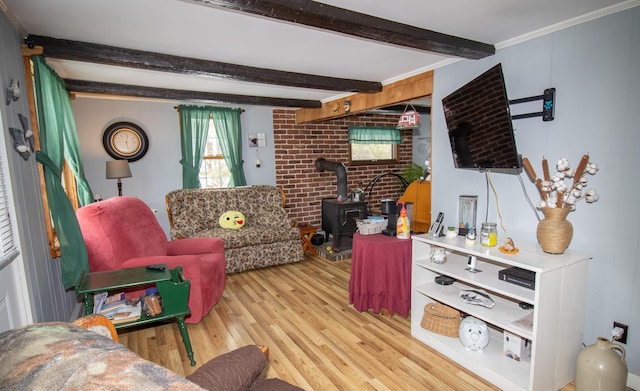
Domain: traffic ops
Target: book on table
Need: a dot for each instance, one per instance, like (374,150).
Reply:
(128,313)
(98,301)
(117,307)
(113,303)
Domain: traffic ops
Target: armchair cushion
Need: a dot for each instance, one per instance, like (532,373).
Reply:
(236,370)
(240,369)
(123,232)
(194,246)
(274,384)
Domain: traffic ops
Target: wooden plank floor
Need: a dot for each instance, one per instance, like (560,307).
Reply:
(316,339)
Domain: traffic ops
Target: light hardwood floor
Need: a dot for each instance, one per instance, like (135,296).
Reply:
(316,339)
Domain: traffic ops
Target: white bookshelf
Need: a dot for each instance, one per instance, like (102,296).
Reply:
(558,313)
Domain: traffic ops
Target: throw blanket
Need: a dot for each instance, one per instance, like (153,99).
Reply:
(61,356)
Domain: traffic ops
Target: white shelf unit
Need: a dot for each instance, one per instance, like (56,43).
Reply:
(558,312)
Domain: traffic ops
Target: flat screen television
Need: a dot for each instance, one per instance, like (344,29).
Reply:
(479,125)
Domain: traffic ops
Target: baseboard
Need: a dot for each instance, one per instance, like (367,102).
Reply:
(633,381)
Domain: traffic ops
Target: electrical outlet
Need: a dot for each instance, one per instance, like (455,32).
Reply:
(625,329)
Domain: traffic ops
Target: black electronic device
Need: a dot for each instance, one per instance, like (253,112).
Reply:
(471,264)
(444,280)
(479,124)
(390,209)
(518,276)
(525,305)
(159,268)
(548,105)
(437,226)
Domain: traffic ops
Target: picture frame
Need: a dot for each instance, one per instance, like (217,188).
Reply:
(257,140)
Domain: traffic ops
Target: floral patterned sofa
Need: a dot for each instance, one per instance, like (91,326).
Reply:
(63,356)
(267,237)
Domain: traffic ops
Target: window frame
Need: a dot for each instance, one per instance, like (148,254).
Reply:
(368,138)
(394,160)
(213,157)
(68,178)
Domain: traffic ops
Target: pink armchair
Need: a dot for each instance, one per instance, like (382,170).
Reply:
(123,232)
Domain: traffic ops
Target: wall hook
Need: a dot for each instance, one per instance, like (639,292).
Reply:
(13,91)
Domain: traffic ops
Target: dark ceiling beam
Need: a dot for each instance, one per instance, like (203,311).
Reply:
(327,17)
(103,54)
(402,108)
(90,87)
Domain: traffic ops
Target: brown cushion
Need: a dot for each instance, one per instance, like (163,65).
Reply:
(274,385)
(233,371)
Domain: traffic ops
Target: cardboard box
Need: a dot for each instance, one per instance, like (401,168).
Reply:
(516,347)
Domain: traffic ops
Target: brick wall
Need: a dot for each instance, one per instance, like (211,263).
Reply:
(298,146)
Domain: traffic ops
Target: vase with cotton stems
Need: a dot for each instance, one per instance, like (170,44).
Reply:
(559,195)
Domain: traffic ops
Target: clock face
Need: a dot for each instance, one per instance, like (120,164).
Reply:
(124,140)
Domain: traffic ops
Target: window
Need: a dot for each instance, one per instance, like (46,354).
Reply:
(373,145)
(68,178)
(213,171)
(8,250)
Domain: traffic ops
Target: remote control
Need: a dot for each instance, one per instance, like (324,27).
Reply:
(159,268)
(525,306)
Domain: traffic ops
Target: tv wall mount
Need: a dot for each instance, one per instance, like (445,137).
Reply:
(548,105)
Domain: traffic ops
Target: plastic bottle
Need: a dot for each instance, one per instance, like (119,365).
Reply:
(152,302)
(403,229)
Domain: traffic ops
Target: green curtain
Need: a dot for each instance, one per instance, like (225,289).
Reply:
(229,131)
(194,126)
(55,122)
(374,135)
(72,151)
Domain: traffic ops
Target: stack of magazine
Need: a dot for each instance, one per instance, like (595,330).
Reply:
(117,307)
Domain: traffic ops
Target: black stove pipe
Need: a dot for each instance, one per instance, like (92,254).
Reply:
(341,174)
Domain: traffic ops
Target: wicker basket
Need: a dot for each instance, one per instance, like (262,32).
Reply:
(369,227)
(441,319)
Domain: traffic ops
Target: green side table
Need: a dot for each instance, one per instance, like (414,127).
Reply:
(172,286)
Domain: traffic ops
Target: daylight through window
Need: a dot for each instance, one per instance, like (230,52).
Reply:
(213,171)
(373,145)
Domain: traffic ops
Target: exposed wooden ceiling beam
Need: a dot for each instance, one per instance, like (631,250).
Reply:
(414,87)
(327,17)
(182,95)
(103,54)
(399,109)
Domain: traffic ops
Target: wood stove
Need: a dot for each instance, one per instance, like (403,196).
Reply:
(339,220)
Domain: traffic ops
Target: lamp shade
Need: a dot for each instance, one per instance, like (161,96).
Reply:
(117,169)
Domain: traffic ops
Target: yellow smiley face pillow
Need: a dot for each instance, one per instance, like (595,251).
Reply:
(232,220)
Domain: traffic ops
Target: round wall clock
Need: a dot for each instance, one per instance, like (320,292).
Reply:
(125,140)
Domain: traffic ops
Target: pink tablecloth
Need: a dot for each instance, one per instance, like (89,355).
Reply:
(380,274)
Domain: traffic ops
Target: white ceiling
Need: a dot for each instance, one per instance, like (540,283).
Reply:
(185,28)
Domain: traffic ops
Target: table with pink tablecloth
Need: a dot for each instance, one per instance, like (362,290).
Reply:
(380,274)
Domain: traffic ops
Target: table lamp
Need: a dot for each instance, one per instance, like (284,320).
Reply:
(117,169)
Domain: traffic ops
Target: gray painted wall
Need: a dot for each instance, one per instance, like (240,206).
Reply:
(49,301)
(595,68)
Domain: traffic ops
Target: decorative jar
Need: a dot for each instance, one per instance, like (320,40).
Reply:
(488,235)
(601,367)
(554,232)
